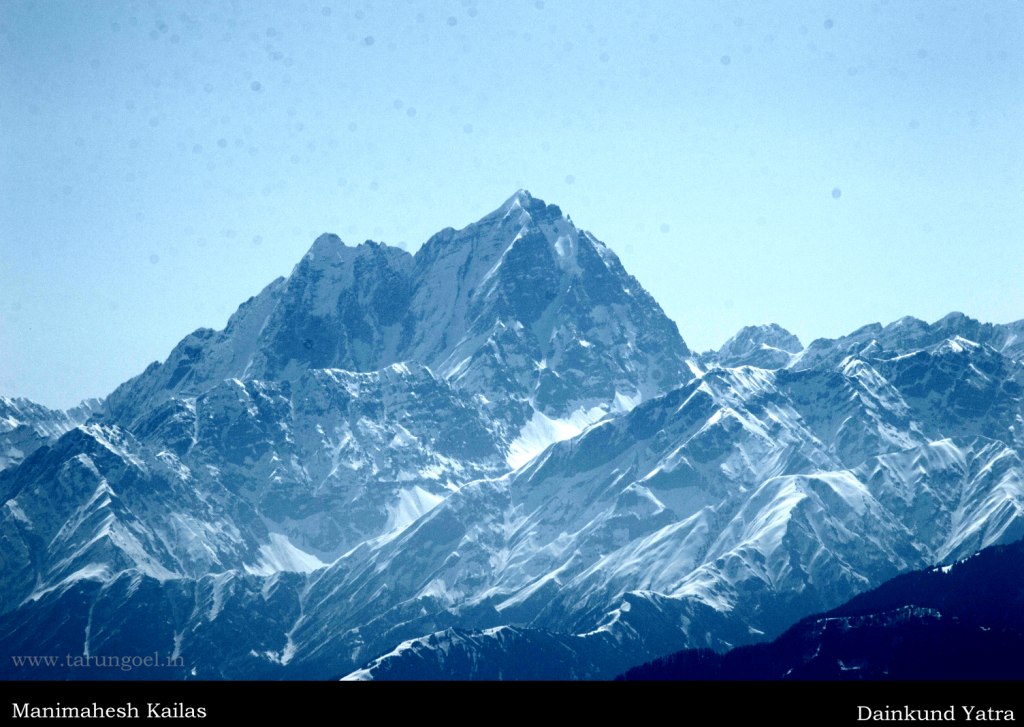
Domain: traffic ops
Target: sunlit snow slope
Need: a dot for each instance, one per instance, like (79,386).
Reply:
(495,458)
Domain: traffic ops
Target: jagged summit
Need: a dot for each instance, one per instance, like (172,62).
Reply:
(770,334)
(908,334)
(522,209)
(327,244)
(330,248)
(490,456)
(955,318)
(520,197)
(768,346)
(532,212)
(520,309)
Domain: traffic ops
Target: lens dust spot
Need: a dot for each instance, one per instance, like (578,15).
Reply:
(836,193)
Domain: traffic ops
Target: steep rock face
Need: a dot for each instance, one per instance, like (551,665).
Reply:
(533,318)
(86,508)
(25,426)
(341,308)
(201,360)
(959,387)
(255,476)
(354,476)
(741,492)
(543,316)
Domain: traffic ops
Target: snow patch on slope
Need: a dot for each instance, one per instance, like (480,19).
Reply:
(412,503)
(280,554)
(542,431)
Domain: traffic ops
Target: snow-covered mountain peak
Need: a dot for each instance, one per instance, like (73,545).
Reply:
(524,209)
(492,452)
(25,426)
(540,313)
(909,334)
(519,311)
(907,322)
(767,346)
(955,318)
(521,199)
(328,249)
(327,246)
(750,338)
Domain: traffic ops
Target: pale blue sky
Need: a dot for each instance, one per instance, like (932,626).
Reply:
(162,161)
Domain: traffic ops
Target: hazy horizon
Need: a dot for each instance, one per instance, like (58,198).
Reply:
(820,166)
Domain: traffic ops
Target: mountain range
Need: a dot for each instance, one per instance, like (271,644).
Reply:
(960,621)
(496,458)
